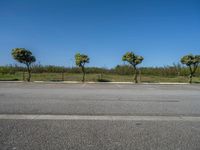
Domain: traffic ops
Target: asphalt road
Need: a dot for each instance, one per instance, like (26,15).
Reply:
(99,116)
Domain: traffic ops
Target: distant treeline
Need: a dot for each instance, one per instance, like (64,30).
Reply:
(175,70)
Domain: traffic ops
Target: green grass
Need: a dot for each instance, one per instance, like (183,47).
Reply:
(10,77)
(94,77)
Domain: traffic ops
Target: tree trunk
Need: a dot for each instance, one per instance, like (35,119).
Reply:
(190,78)
(140,76)
(29,73)
(136,74)
(83,70)
(192,71)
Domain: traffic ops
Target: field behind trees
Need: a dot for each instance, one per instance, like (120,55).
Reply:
(121,73)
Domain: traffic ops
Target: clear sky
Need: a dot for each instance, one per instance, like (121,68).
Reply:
(54,30)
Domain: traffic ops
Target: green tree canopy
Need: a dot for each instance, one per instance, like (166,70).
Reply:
(81,59)
(24,56)
(192,61)
(133,59)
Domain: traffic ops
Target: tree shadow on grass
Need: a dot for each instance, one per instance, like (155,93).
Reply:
(197,82)
(9,79)
(103,80)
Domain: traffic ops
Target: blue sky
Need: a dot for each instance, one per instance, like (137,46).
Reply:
(54,30)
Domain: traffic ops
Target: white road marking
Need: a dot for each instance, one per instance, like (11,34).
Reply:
(87,117)
(119,86)
(84,85)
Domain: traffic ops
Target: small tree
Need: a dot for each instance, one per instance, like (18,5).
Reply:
(81,60)
(24,56)
(134,60)
(192,61)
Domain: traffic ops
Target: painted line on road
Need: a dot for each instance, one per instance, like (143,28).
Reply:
(119,86)
(84,85)
(87,117)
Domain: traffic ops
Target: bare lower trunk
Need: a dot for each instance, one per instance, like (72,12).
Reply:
(190,78)
(135,75)
(140,76)
(29,73)
(83,70)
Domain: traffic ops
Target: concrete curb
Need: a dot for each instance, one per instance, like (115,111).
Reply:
(77,82)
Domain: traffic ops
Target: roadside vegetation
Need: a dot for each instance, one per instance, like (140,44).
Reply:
(81,60)
(24,56)
(30,71)
(121,73)
(192,61)
(133,60)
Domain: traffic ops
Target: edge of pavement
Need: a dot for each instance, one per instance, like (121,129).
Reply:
(78,82)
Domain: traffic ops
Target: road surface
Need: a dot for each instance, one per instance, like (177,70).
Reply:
(99,116)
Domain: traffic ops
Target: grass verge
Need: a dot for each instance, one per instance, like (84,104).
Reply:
(94,77)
